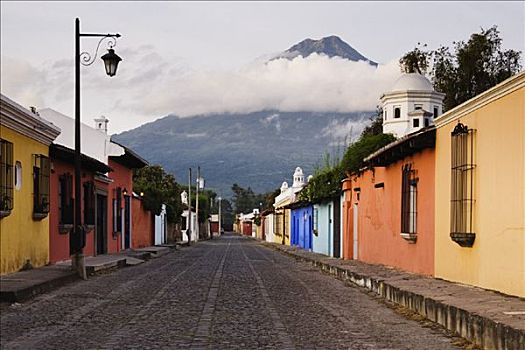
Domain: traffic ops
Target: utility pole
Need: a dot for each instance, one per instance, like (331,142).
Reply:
(189,208)
(197,228)
(220,221)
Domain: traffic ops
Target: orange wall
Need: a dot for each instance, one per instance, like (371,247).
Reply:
(142,225)
(379,216)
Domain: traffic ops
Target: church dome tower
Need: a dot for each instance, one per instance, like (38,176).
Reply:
(411,104)
(298,178)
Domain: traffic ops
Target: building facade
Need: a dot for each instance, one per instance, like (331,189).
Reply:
(389,206)
(480,190)
(24,187)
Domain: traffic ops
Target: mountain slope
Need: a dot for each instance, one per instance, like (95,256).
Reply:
(258,149)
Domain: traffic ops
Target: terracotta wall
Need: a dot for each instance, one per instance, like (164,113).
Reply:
(59,242)
(379,216)
(142,223)
(122,177)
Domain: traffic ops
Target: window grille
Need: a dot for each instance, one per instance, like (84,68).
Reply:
(462,178)
(286,218)
(409,201)
(6,177)
(89,203)
(117,211)
(41,170)
(316,222)
(65,199)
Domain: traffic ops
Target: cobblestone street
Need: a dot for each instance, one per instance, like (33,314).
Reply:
(228,293)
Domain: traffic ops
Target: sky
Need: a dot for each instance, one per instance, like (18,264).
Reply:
(189,58)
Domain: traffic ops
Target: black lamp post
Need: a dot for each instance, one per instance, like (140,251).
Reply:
(77,238)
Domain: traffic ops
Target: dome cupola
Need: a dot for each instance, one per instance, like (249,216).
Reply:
(411,104)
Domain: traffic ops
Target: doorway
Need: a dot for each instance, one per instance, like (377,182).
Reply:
(101,224)
(337,227)
(354,230)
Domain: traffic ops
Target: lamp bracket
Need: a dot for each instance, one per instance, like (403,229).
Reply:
(86,59)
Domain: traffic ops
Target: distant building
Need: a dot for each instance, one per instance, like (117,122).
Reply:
(282,216)
(411,104)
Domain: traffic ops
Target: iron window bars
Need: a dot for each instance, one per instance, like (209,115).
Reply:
(41,170)
(409,203)
(89,203)
(65,202)
(6,178)
(462,184)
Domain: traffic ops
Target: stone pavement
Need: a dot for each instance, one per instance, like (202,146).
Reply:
(22,285)
(227,293)
(487,318)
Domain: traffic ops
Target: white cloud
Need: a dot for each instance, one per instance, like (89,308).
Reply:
(149,86)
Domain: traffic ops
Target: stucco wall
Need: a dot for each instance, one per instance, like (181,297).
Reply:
(142,222)
(379,216)
(123,178)
(21,237)
(59,242)
(497,258)
(323,241)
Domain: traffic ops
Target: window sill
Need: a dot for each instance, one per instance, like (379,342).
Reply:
(65,228)
(4,213)
(463,239)
(410,237)
(89,228)
(39,216)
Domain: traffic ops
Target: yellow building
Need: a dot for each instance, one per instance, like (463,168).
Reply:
(24,187)
(480,190)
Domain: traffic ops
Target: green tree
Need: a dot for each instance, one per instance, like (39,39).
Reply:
(467,70)
(158,187)
(415,61)
(353,160)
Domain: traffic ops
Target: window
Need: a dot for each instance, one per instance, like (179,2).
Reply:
(65,202)
(41,171)
(397,112)
(286,218)
(384,114)
(18,176)
(117,212)
(278,220)
(462,178)
(6,177)
(415,122)
(418,107)
(427,122)
(89,203)
(436,111)
(408,202)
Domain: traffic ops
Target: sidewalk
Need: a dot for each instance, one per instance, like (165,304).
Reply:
(486,318)
(22,285)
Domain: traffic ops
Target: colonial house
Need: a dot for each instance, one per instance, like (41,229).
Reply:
(480,190)
(282,214)
(301,225)
(107,194)
(267,224)
(24,186)
(388,207)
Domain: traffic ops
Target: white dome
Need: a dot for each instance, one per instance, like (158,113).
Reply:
(284,185)
(298,172)
(412,81)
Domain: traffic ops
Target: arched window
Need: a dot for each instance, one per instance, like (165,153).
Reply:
(397,112)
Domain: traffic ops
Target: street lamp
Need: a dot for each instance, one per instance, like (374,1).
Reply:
(200,186)
(77,238)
